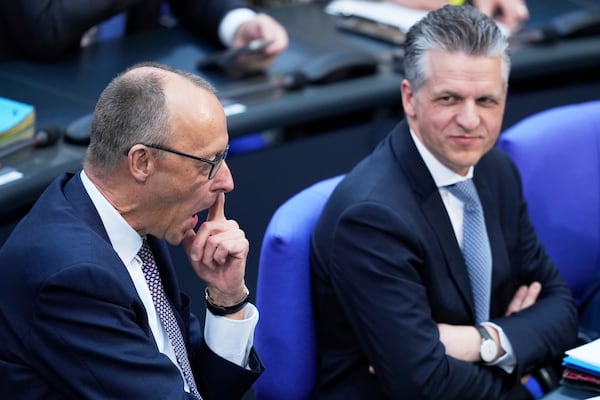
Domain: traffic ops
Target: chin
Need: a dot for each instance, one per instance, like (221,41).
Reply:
(174,238)
(174,241)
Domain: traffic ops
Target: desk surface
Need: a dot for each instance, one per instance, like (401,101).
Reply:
(569,393)
(67,90)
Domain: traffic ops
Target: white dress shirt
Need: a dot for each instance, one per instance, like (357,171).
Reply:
(443,176)
(230,339)
(231,22)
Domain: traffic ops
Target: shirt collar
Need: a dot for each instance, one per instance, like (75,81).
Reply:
(124,239)
(442,175)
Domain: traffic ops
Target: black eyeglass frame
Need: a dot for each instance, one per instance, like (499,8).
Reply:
(214,164)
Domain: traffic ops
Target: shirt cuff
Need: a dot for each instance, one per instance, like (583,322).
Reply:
(508,361)
(231,22)
(230,338)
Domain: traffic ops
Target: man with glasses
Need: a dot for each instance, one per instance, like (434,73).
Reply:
(44,30)
(89,301)
(214,164)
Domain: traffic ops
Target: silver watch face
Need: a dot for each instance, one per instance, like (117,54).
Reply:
(489,350)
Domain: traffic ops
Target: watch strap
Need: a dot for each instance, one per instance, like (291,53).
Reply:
(485,335)
(216,309)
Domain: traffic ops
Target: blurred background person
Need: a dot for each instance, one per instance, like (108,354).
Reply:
(47,30)
(510,13)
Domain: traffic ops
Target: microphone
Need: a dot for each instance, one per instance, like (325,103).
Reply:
(43,138)
(289,81)
(78,132)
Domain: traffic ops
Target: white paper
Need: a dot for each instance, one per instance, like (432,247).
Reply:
(8,175)
(385,12)
(588,353)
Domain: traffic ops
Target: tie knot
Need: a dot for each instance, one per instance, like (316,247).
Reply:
(145,253)
(465,191)
(149,267)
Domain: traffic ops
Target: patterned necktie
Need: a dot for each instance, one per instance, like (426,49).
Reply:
(165,313)
(476,247)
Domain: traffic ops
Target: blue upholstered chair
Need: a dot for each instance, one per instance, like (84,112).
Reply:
(558,154)
(285,336)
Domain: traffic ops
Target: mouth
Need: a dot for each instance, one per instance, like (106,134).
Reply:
(465,139)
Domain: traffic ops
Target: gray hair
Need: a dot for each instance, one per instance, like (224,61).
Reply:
(452,29)
(130,110)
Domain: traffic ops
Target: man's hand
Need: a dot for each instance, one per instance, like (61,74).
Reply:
(463,341)
(262,26)
(510,13)
(218,253)
(524,297)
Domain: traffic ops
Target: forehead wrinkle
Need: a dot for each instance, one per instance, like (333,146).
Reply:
(458,77)
(198,117)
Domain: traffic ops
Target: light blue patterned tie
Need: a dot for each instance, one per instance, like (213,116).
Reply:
(476,247)
(165,313)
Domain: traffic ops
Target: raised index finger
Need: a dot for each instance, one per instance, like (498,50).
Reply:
(217,210)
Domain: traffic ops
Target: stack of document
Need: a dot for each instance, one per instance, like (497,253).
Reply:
(17,121)
(384,20)
(582,366)
(385,12)
(380,19)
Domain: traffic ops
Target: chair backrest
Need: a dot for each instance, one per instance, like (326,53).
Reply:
(558,154)
(284,335)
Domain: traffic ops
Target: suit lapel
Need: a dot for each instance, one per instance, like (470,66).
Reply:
(434,211)
(493,226)
(77,198)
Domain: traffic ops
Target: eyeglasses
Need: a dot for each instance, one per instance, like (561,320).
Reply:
(214,164)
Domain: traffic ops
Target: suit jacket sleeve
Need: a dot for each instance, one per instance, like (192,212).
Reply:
(387,305)
(75,326)
(48,29)
(216,377)
(396,270)
(100,348)
(103,347)
(542,332)
(203,17)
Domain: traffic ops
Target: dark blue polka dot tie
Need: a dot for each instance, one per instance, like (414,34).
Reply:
(475,247)
(165,313)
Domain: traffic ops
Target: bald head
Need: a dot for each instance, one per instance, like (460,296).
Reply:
(134,108)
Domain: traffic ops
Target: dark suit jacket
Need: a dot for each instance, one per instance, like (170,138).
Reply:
(386,267)
(41,30)
(72,323)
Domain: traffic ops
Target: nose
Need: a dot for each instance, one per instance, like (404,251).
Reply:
(223,179)
(467,116)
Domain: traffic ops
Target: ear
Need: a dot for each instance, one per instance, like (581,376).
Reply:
(140,162)
(408,98)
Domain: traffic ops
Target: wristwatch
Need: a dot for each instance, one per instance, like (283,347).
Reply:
(489,349)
